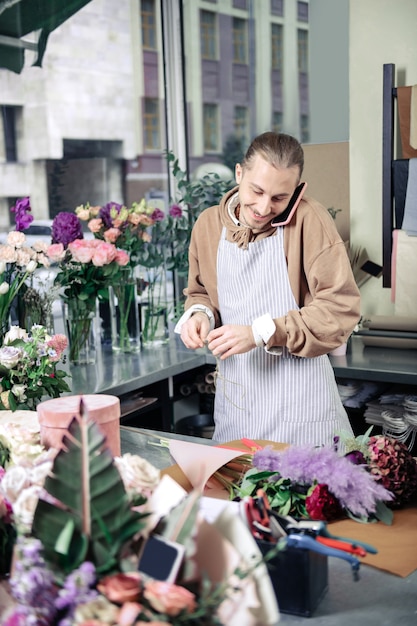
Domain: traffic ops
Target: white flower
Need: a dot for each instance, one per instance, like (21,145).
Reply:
(19,392)
(15,332)
(4,287)
(138,475)
(2,267)
(10,356)
(31,266)
(16,238)
(25,505)
(14,481)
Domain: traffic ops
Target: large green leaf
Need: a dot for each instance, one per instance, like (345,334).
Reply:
(86,514)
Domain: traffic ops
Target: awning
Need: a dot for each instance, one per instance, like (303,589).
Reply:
(19,18)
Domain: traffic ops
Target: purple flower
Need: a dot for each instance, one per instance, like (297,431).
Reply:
(158,215)
(22,209)
(105,211)
(175,211)
(356,457)
(66,227)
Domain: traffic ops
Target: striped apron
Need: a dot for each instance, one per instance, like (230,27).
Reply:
(259,395)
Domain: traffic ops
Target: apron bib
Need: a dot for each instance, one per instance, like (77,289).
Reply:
(283,398)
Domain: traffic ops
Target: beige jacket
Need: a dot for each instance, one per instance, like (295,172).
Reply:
(319,272)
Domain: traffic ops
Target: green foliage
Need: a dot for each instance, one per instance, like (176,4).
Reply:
(233,151)
(87,515)
(195,196)
(284,495)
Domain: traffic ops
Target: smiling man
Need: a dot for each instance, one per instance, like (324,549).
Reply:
(271,302)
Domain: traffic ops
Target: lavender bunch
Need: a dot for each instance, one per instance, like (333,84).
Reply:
(32,586)
(78,589)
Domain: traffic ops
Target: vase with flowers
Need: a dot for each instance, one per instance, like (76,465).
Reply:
(86,269)
(126,228)
(18,262)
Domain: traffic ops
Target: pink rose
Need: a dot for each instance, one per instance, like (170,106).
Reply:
(81,254)
(121,588)
(95,225)
(104,254)
(168,598)
(121,258)
(112,234)
(56,252)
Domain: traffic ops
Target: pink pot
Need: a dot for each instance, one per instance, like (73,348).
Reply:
(55,416)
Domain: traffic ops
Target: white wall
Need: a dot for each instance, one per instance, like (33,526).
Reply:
(381,31)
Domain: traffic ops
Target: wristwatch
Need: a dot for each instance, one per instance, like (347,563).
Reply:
(263,328)
(195,308)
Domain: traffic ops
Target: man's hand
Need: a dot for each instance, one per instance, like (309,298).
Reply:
(230,339)
(195,330)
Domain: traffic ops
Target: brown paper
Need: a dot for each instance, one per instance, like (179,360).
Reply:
(404,112)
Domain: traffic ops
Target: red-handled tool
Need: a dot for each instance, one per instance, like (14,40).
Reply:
(341,545)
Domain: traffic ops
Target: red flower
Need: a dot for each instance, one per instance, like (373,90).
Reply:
(322,505)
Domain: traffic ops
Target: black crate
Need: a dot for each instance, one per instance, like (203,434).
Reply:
(299,578)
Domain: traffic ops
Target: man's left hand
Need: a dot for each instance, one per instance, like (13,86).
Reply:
(230,339)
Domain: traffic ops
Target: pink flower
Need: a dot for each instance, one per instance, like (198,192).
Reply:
(104,254)
(121,258)
(56,252)
(168,598)
(112,234)
(95,225)
(175,211)
(81,251)
(58,343)
(128,614)
(121,588)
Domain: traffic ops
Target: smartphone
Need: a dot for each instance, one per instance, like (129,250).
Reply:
(286,215)
(161,559)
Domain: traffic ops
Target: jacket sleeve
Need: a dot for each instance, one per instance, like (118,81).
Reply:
(202,273)
(330,300)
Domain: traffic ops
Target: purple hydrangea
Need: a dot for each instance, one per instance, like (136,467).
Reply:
(22,209)
(104,213)
(158,215)
(175,211)
(66,227)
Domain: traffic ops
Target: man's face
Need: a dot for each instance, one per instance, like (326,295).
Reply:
(264,191)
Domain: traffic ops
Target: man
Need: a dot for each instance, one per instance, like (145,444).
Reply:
(271,302)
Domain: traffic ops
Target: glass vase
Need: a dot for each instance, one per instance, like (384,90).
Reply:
(124,313)
(80,326)
(154,307)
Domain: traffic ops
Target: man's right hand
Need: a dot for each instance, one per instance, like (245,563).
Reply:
(195,330)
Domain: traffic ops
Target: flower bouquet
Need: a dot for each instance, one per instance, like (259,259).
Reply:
(78,554)
(374,475)
(86,269)
(28,368)
(18,262)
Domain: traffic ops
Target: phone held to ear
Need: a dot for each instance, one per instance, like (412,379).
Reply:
(286,215)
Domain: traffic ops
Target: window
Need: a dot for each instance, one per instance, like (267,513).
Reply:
(276,46)
(148,24)
(9,131)
(277,121)
(302,11)
(302,51)
(277,7)
(241,123)
(240,41)
(208,35)
(211,127)
(152,132)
